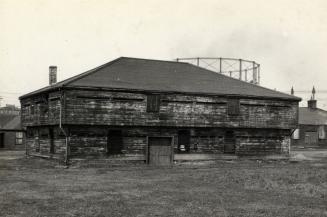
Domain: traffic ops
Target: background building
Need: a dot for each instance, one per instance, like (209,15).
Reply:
(312,126)
(11,134)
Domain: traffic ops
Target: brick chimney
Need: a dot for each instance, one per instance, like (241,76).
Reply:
(52,75)
(312,103)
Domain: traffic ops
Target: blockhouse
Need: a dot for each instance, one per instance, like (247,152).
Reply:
(152,110)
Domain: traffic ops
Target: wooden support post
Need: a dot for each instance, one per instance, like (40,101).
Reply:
(67,151)
(25,143)
(197,61)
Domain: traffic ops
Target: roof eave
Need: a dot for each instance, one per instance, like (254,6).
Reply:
(37,92)
(180,92)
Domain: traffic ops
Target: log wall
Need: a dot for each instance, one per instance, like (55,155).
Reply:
(176,110)
(92,141)
(262,126)
(129,109)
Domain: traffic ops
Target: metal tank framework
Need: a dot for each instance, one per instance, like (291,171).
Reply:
(245,70)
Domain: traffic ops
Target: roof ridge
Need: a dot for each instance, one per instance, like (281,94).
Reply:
(236,83)
(91,71)
(168,61)
(228,77)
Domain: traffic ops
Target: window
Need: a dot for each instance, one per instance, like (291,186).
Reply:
(114,142)
(44,109)
(233,106)
(29,133)
(26,110)
(184,140)
(32,110)
(321,132)
(153,103)
(43,133)
(296,134)
(19,138)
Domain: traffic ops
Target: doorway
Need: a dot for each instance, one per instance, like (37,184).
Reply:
(2,140)
(160,151)
(114,142)
(311,138)
(229,142)
(184,138)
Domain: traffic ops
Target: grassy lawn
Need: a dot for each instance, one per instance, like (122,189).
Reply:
(37,187)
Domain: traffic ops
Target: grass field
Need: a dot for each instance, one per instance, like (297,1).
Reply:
(37,187)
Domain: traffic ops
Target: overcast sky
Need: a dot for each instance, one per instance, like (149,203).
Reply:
(288,38)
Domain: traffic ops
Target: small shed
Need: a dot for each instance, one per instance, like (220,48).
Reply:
(11,133)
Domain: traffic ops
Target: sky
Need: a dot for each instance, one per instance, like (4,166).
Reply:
(288,38)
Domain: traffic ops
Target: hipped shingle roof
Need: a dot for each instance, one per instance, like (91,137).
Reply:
(163,76)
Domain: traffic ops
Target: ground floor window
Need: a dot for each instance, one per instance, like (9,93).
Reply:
(184,137)
(2,138)
(114,142)
(229,142)
(19,138)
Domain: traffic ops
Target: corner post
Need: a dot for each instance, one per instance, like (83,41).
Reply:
(62,98)
(25,143)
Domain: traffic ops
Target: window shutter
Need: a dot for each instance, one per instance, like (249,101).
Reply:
(153,103)
(233,107)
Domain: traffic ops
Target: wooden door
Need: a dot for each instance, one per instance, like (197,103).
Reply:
(2,138)
(311,138)
(229,142)
(184,137)
(114,142)
(160,151)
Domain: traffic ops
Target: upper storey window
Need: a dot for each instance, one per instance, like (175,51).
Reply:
(32,111)
(233,107)
(153,103)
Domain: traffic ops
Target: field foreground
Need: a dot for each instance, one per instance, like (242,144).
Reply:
(243,187)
